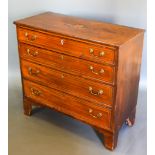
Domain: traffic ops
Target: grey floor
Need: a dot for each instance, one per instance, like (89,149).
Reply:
(47,132)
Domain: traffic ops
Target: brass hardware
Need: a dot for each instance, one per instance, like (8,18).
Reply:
(128,122)
(35,92)
(62,41)
(31,72)
(100,92)
(33,37)
(35,53)
(102,53)
(91,51)
(26,34)
(62,57)
(102,71)
(62,76)
(92,69)
(30,38)
(99,115)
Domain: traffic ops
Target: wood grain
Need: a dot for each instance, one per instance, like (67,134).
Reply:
(94,31)
(69,46)
(68,104)
(69,64)
(86,69)
(68,83)
(128,75)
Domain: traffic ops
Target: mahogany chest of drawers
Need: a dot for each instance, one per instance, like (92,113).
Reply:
(86,69)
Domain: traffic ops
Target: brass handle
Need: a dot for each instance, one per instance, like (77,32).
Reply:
(33,53)
(97,73)
(100,92)
(99,115)
(31,72)
(35,92)
(30,38)
(91,51)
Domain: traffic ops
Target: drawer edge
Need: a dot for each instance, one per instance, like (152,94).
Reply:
(114,47)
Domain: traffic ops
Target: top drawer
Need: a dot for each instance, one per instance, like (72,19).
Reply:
(98,53)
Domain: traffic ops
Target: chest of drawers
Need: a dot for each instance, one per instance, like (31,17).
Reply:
(86,69)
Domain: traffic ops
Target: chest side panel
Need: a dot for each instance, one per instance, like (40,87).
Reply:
(128,74)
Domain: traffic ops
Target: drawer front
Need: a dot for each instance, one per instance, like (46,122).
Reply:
(83,68)
(80,87)
(80,109)
(97,53)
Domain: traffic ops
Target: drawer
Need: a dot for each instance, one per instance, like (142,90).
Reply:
(80,109)
(72,65)
(92,52)
(74,85)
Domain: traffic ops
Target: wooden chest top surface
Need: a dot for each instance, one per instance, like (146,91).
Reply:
(85,29)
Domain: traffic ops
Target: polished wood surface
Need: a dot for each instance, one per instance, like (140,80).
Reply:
(85,50)
(80,28)
(69,64)
(68,83)
(86,69)
(66,103)
(128,75)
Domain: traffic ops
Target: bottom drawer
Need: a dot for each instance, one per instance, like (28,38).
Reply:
(73,106)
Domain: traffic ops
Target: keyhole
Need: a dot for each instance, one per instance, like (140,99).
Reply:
(62,57)
(62,76)
(62,41)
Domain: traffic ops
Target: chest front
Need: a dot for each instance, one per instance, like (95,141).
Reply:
(86,69)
